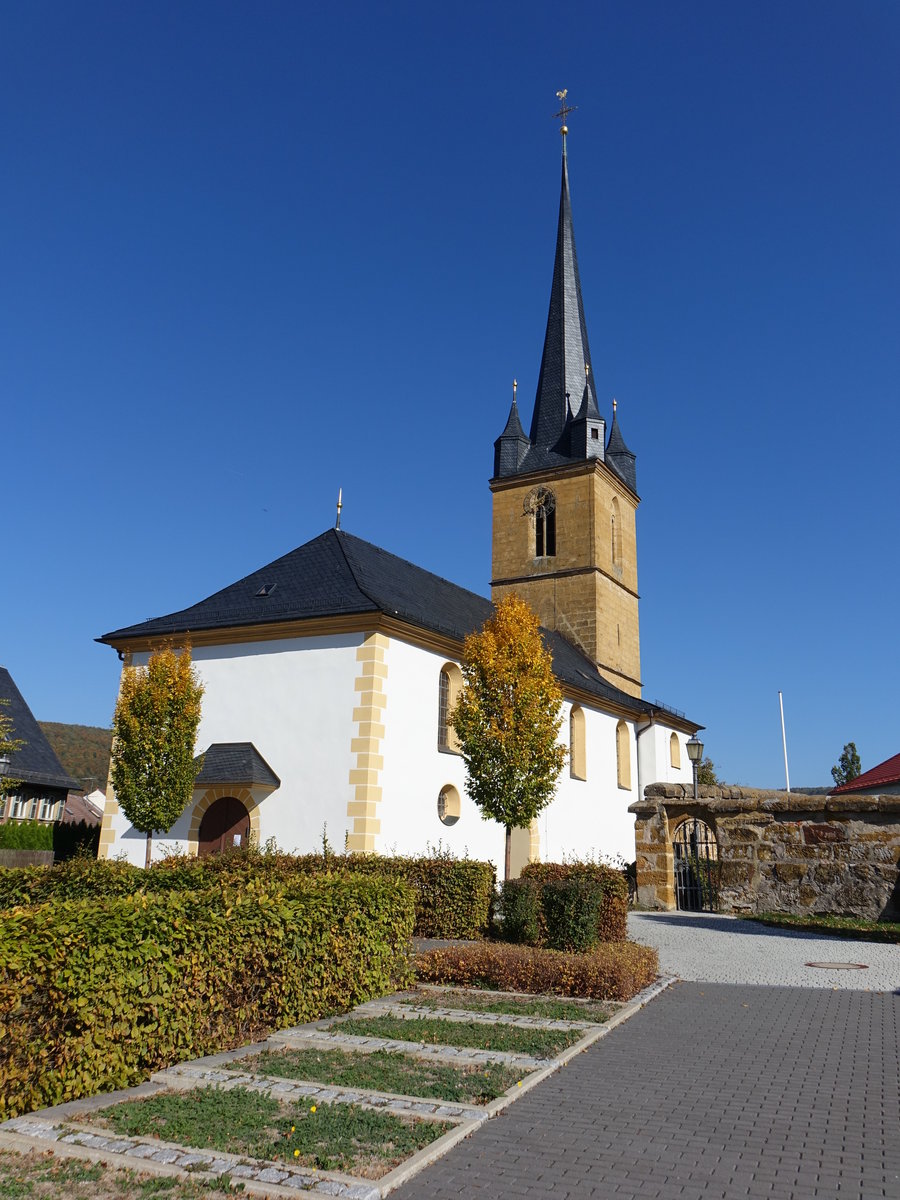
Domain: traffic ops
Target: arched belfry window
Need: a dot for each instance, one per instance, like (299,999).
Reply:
(449,683)
(577,755)
(541,504)
(615,534)
(623,756)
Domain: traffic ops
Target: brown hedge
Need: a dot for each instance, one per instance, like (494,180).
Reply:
(610,972)
(96,994)
(452,896)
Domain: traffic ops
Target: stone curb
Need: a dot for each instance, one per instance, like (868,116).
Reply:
(405,1011)
(325,1039)
(186,1077)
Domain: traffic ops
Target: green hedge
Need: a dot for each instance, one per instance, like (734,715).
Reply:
(26,835)
(566,906)
(96,994)
(452,896)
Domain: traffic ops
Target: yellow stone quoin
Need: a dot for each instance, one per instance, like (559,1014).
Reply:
(587,590)
(365,745)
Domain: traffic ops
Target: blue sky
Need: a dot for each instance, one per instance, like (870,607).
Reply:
(252,253)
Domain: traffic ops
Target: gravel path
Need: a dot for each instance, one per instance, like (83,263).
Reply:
(710,948)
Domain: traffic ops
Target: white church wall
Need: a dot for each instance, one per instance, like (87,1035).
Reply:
(415,770)
(656,757)
(590,818)
(293,699)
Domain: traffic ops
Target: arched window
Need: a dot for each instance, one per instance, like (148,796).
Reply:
(615,534)
(623,756)
(675,751)
(448,806)
(545,525)
(449,683)
(577,756)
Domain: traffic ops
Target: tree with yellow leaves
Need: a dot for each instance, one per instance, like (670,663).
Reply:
(154,730)
(507,719)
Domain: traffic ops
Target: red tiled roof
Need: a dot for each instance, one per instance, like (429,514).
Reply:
(886,772)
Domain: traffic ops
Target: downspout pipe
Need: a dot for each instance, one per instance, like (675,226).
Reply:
(637,738)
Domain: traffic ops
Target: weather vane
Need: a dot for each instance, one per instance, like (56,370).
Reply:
(564,110)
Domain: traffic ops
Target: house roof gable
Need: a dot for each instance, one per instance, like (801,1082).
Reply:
(35,762)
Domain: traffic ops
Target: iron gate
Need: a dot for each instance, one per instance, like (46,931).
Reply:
(696,867)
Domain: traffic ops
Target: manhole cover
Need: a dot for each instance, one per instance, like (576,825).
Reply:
(826,966)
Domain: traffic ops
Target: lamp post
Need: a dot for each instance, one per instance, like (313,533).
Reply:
(695,753)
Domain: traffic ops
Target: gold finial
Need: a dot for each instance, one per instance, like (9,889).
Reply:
(615,406)
(564,110)
(515,385)
(340,505)
(587,370)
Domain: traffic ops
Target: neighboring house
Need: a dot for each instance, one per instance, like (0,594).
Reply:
(87,808)
(330,673)
(883,780)
(40,794)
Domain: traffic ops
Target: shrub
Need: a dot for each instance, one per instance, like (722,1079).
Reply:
(95,995)
(77,879)
(26,835)
(609,972)
(75,838)
(572,912)
(452,896)
(520,905)
(612,910)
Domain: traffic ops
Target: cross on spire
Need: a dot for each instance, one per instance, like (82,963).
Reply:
(564,110)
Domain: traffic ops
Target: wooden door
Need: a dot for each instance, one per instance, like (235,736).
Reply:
(225,823)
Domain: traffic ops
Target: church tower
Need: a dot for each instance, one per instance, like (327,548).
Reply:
(565,496)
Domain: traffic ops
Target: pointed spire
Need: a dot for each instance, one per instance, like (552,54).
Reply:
(566,351)
(618,456)
(512,445)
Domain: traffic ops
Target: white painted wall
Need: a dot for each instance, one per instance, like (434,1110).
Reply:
(294,700)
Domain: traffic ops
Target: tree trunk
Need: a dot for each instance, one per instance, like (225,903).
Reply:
(149,845)
(508,851)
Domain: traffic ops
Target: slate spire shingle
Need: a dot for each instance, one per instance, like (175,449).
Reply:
(566,350)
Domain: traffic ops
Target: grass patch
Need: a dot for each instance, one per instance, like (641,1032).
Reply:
(387,1071)
(553,1010)
(330,1137)
(853,928)
(542,1043)
(34,1176)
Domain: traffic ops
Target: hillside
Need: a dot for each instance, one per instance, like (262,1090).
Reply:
(82,749)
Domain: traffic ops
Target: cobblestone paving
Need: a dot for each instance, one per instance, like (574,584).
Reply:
(711,1091)
(188,1076)
(714,948)
(333,1040)
(406,1011)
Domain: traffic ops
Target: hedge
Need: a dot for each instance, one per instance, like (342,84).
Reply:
(567,906)
(610,972)
(452,896)
(26,835)
(95,995)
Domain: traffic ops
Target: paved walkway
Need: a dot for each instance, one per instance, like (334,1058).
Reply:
(707,947)
(711,1091)
(717,1089)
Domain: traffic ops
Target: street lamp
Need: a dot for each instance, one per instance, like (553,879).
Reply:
(695,753)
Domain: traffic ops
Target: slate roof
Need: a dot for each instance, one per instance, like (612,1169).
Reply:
(35,762)
(885,773)
(338,574)
(235,762)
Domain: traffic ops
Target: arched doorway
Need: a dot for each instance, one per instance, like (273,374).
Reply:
(225,823)
(696,867)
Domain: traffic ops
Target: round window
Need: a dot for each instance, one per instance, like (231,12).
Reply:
(448,805)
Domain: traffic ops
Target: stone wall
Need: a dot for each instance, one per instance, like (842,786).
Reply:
(779,851)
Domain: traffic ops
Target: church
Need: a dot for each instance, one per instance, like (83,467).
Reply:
(329,673)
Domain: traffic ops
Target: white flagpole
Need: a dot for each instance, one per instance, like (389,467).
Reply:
(787,777)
